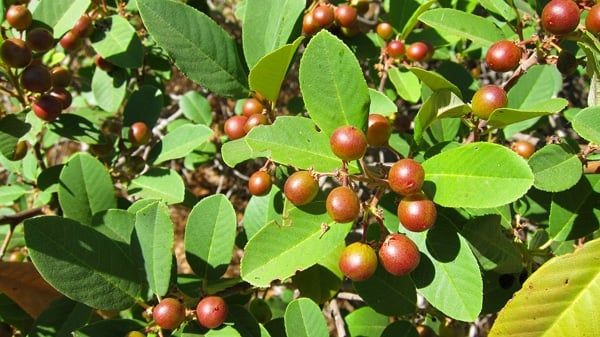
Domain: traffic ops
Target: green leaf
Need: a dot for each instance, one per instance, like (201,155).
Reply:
(196,108)
(237,151)
(506,116)
(413,20)
(11,129)
(118,43)
(406,84)
(78,128)
(210,236)
(400,329)
(159,183)
(442,103)
(200,48)
(388,294)
(180,143)
(155,233)
(267,75)
(279,250)
(332,84)
(554,161)
(477,175)
(116,224)
(574,213)
(10,193)
(61,318)
(558,298)
(82,263)
(587,124)
(110,327)
(262,210)
(501,8)
(435,81)
(317,283)
(60,15)
(85,188)
(366,322)
(303,318)
(381,104)
(260,36)
(109,89)
(143,105)
(462,24)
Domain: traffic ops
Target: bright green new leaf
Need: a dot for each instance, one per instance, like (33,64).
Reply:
(366,322)
(85,188)
(332,83)
(506,116)
(119,43)
(406,84)
(303,318)
(109,89)
(388,294)
(587,124)
(269,72)
(210,236)
(82,263)
(196,108)
(554,161)
(159,183)
(381,104)
(200,48)
(477,175)
(60,15)
(559,299)
(435,81)
(180,143)
(237,151)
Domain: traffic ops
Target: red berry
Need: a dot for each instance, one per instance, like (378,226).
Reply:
(63,95)
(592,20)
(342,204)
(358,261)
(345,16)
(254,120)
(169,313)
(406,176)
(399,255)
(36,78)
(260,183)
(385,30)
(139,134)
(395,49)
(323,15)
(487,99)
(234,127)
(19,17)
(419,51)
(560,17)
(15,53)
(379,130)
(211,312)
(417,212)
(40,39)
(309,25)
(47,107)
(61,76)
(523,148)
(83,27)
(103,63)
(503,56)
(348,143)
(252,106)
(300,188)
(70,41)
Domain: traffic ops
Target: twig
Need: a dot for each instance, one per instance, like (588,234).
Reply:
(337,318)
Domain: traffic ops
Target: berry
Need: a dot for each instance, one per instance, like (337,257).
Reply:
(260,183)
(234,127)
(487,99)
(61,76)
(254,120)
(251,107)
(523,148)
(47,107)
(560,17)
(63,95)
(342,204)
(103,64)
(20,150)
(503,56)
(36,78)
(139,134)
(309,25)
(15,53)
(19,17)
(300,188)
(83,27)
(348,143)
(399,255)
(358,261)
(592,20)
(417,212)
(40,39)
(261,311)
(566,63)
(385,30)
(419,51)
(169,313)
(135,334)
(379,130)
(406,176)
(211,311)
(70,41)
(395,49)
(345,16)
(323,15)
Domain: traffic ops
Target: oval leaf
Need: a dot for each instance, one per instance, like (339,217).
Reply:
(143,105)
(180,143)
(366,322)
(406,84)
(381,104)
(119,43)
(303,318)
(109,89)
(159,183)
(587,124)
(506,116)
(196,108)
(553,161)
(477,175)
(388,294)
(81,263)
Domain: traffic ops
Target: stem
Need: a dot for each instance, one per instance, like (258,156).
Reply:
(337,318)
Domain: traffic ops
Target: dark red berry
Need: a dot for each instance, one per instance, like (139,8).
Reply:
(260,183)
(36,78)
(15,53)
(560,17)
(323,15)
(503,56)
(19,17)
(300,188)
(358,261)
(70,41)
(211,312)
(47,107)
(309,25)
(234,127)
(40,39)
(406,176)
(417,212)
(169,313)
(254,120)
(345,16)
(83,27)
(348,143)
(63,95)
(395,49)
(419,51)
(342,204)
(61,76)
(399,255)
(104,64)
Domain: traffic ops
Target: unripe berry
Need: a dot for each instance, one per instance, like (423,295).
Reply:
(358,261)
(385,30)
(139,134)
(252,106)
(254,120)
(523,148)
(487,99)
(592,20)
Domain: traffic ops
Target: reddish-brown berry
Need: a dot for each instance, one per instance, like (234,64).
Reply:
(83,27)
(169,313)
(300,188)
(260,183)
(399,255)
(309,25)
(379,130)
(348,143)
(487,99)
(40,39)
(560,17)
(406,176)
(385,30)
(345,16)
(395,49)
(419,51)
(61,76)
(417,212)
(211,312)
(15,53)
(358,261)
(47,107)
(63,95)
(342,204)
(139,134)
(254,120)
(36,78)
(251,107)
(592,20)
(19,17)
(503,56)
(323,15)
(70,41)
(566,62)
(234,127)
(523,148)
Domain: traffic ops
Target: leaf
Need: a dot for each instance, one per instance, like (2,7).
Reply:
(155,234)
(109,88)
(85,188)
(143,105)
(60,15)
(61,319)
(574,213)
(553,161)
(587,124)
(237,151)
(388,294)
(210,236)
(317,283)
(82,263)
(196,108)
(413,20)
(400,329)
(381,104)
(180,143)
(262,210)
(406,84)
(463,24)
(159,183)
(267,75)
(78,128)
(557,298)
(442,103)
(332,84)
(259,36)
(477,175)
(9,193)
(118,43)
(366,322)
(116,224)
(110,327)
(279,250)
(501,8)
(435,81)
(11,129)
(506,116)
(303,318)
(200,48)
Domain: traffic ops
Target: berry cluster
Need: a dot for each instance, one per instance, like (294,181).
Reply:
(326,16)
(170,313)
(419,51)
